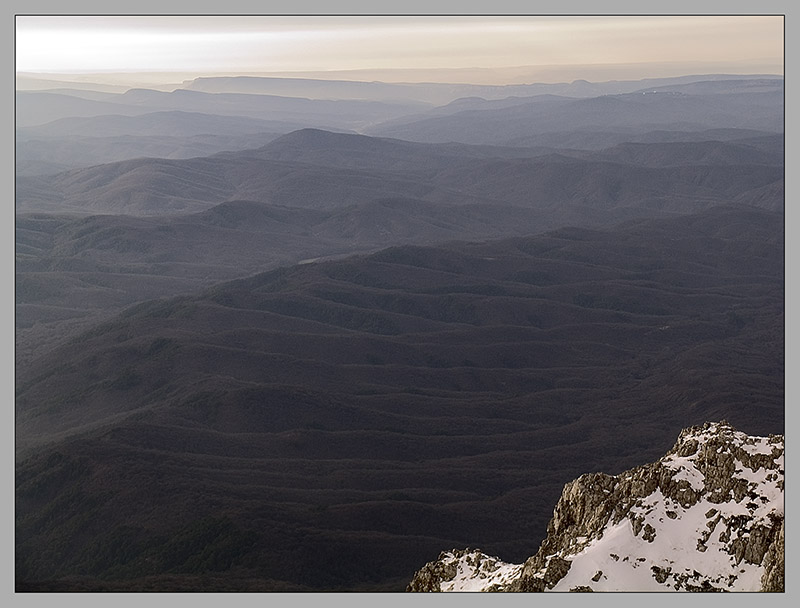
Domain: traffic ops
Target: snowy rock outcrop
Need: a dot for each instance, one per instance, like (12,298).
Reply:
(708,516)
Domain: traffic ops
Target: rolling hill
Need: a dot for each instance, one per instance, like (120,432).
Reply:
(314,194)
(254,357)
(322,426)
(317,169)
(73,271)
(642,111)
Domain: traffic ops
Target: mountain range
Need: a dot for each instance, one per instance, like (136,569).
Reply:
(60,128)
(402,400)
(318,169)
(314,194)
(267,342)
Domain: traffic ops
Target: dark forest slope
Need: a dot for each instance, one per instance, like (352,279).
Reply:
(333,425)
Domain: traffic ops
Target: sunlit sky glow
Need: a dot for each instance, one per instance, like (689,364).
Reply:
(262,44)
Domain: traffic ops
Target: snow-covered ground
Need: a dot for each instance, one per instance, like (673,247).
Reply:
(725,503)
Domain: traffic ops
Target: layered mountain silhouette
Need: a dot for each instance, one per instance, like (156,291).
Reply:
(40,107)
(326,171)
(301,335)
(314,194)
(75,142)
(66,128)
(646,110)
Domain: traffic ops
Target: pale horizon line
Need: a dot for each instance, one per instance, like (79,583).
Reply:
(372,75)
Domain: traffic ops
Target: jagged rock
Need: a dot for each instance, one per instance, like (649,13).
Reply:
(661,574)
(464,570)
(431,577)
(774,566)
(717,491)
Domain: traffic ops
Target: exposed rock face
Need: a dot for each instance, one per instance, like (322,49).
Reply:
(708,516)
(774,568)
(464,570)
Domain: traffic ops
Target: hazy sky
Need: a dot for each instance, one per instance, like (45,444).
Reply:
(233,44)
